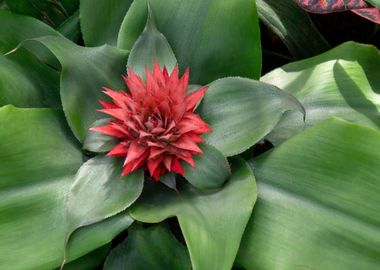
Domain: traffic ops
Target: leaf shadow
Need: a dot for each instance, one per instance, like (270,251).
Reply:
(353,95)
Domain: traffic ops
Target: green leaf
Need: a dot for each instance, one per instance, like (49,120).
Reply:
(99,192)
(51,12)
(207,36)
(292,24)
(23,27)
(100,22)
(71,28)
(36,145)
(342,82)
(84,72)
(211,168)
(212,244)
(98,142)
(319,204)
(149,248)
(25,81)
(89,261)
(38,159)
(241,112)
(28,83)
(375,3)
(149,47)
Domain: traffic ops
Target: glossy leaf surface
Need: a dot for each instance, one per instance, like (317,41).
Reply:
(200,32)
(149,47)
(97,142)
(241,112)
(318,205)
(84,72)
(24,80)
(34,178)
(36,145)
(99,192)
(212,244)
(211,168)
(149,248)
(342,82)
(101,20)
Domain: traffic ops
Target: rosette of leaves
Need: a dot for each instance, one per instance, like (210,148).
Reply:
(63,201)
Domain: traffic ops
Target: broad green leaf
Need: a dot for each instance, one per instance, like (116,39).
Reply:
(98,142)
(25,81)
(149,47)
(100,21)
(23,27)
(211,168)
(99,191)
(242,111)
(212,222)
(84,72)
(292,24)
(342,82)
(318,204)
(149,248)
(71,28)
(35,145)
(207,36)
(51,12)
(28,83)
(38,160)
(89,261)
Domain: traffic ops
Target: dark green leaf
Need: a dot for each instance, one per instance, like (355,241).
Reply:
(292,24)
(25,81)
(70,28)
(319,204)
(100,21)
(241,112)
(51,12)
(146,249)
(211,168)
(23,27)
(212,221)
(89,261)
(149,47)
(207,36)
(342,82)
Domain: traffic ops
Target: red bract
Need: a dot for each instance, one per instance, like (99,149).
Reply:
(155,122)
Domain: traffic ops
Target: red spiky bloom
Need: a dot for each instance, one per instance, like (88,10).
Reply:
(155,122)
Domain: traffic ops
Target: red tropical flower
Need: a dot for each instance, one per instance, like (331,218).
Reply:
(155,122)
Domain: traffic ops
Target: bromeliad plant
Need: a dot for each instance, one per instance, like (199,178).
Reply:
(85,155)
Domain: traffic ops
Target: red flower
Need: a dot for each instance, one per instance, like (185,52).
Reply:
(155,122)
